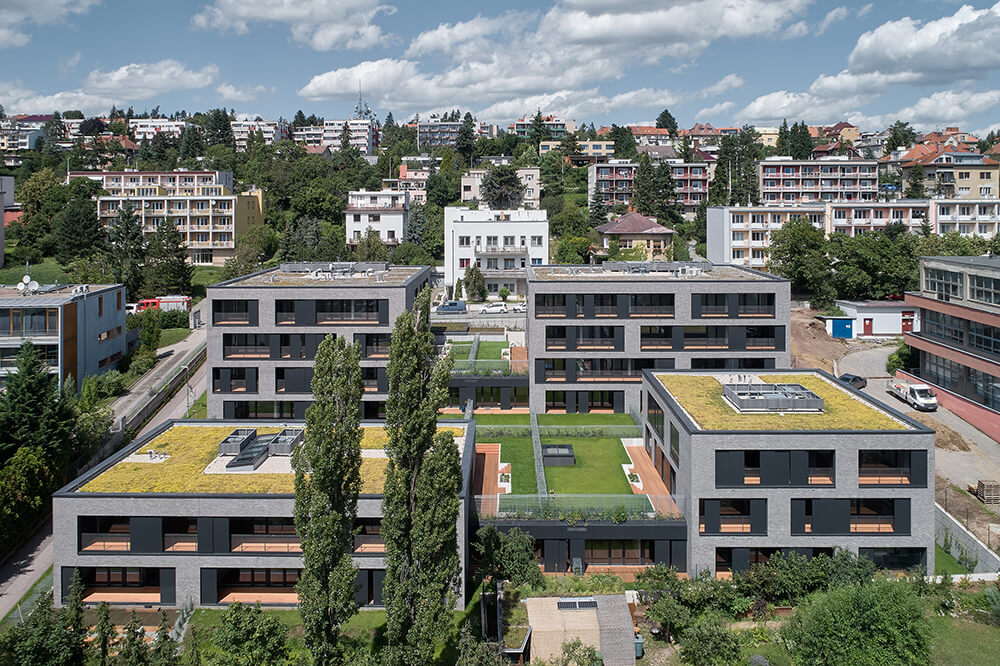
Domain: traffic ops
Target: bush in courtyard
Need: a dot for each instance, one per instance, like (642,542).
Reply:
(708,642)
(173,318)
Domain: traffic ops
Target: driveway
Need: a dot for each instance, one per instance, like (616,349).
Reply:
(867,363)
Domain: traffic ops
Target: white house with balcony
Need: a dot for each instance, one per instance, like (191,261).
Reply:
(502,243)
(385,211)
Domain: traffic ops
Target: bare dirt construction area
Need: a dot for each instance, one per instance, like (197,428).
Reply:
(968,510)
(813,348)
(944,438)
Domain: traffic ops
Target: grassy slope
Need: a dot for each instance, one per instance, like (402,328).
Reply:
(944,563)
(171,336)
(204,276)
(597,469)
(199,408)
(46,272)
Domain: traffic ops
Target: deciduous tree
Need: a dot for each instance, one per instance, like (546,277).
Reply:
(420,504)
(327,482)
(798,252)
(250,637)
(166,270)
(371,247)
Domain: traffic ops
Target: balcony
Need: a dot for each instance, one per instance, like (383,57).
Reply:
(874,475)
(609,375)
(651,311)
(872,524)
(501,249)
(370,385)
(706,343)
(368,544)
(595,343)
(377,351)
(241,351)
(555,375)
(265,543)
(820,476)
(504,272)
(555,343)
(550,310)
(761,343)
(344,318)
(730,525)
(180,543)
(605,310)
(103,542)
(656,343)
(231,318)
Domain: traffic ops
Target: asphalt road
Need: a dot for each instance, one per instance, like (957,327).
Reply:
(177,406)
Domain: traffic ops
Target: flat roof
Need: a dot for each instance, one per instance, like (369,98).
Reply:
(700,396)
(47,295)
(651,271)
(192,464)
(984,261)
(326,275)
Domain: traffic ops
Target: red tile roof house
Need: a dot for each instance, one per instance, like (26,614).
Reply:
(632,231)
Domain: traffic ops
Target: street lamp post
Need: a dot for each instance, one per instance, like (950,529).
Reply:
(187,390)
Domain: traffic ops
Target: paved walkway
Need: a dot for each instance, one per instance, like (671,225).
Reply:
(178,404)
(27,566)
(484,477)
(652,484)
(867,363)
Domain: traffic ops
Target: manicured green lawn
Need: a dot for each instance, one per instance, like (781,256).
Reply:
(519,453)
(204,276)
(46,272)
(491,350)
(585,419)
(461,350)
(597,470)
(485,418)
(171,336)
(944,563)
(959,642)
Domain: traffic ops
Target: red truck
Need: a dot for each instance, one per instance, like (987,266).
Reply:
(165,303)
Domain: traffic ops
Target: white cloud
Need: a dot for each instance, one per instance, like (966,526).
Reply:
(713,111)
(866,10)
(835,15)
(447,37)
(71,62)
(231,93)
(15,14)
(137,81)
(321,24)
(904,52)
(27,101)
(795,30)
(949,106)
(728,82)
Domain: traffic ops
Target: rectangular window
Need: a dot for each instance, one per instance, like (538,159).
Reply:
(536,241)
(985,289)
(675,444)
(756,305)
(463,241)
(654,414)
(945,284)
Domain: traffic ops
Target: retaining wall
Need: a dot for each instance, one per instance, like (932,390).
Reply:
(989,561)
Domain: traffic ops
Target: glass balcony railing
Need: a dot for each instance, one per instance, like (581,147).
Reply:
(883,476)
(265,543)
(105,542)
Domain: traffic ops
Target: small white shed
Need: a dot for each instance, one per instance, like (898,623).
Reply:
(874,319)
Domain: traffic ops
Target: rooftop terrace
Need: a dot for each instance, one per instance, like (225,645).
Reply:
(326,274)
(652,271)
(701,396)
(186,459)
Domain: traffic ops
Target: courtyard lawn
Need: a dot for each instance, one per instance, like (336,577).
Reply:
(519,452)
(944,563)
(460,350)
(958,642)
(491,350)
(585,419)
(598,468)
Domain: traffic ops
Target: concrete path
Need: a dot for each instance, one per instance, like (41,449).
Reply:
(21,571)
(198,384)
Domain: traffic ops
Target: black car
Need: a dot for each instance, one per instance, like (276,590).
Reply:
(854,381)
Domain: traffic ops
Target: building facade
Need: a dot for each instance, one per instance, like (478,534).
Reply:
(264,329)
(959,339)
(363,133)
(385,211)
(183,534)
(78,330)
(741,235)
(413,181)
(200,204)
(785,181)
(790,461)
(147,128)
(271,130)
(502,243)
(530,177)
(592,330)
(557,126)
(632,231)
(600,148)
(615,180)
(16,138)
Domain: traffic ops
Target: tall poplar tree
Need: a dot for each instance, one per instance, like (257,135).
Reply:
(420,504)
(327,482)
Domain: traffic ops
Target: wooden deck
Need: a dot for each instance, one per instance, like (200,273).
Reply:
(283,596)
(122,595)
(518,359)
(484,476)
(652,484)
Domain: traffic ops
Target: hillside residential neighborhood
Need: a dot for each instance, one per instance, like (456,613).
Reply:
(367,334)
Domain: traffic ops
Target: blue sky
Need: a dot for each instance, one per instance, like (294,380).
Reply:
(932,63)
